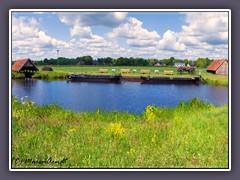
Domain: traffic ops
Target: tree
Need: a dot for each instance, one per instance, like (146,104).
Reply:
(208,62)
(45,61)
(185,62)
(108,61)
(171,61)
(191,63)
(88,60)
(201,62)
(101,61)
(151,62)
(119,61)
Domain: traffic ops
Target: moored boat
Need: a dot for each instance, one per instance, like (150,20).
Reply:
(95,78)
(170,80)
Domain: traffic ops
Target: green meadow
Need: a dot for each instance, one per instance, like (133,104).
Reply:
(192,135)
(61,72)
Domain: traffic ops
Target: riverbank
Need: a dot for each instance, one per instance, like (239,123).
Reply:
(191,135)
(61,72)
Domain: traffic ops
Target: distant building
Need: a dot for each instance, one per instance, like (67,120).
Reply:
(179,64)
(218,67)
(96,63)
(25,66)
(158,64)
(80,63)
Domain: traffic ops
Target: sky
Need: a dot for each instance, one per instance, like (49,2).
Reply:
(149,34)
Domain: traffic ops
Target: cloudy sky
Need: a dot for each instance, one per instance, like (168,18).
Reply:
(190,35)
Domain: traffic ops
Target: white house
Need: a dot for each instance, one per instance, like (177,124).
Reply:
(178,64)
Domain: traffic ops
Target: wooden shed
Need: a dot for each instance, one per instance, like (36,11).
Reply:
(25,66)
(219,67)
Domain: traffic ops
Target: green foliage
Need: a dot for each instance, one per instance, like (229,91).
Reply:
(16,75)
(217,82)
(58,61)
(86,60)
(105,61)
(49,75)
(203,62)
(192,135)
(185,62)
(121,61)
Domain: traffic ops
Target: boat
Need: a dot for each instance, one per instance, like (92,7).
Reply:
(169,80)
(116,78)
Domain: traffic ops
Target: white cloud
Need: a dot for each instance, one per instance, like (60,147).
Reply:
(170,43)
(204,35)
(81,31)
(39,13)
(95,41)
(27,38)
(108,19)
(81,24)
(209,27)
(206,22)
(44,38)
(149,52)
(141,42)
(22,27)
(137,36)
(120,16)
(96,46)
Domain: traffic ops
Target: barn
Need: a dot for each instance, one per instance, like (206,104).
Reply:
(25,66)
(219,67)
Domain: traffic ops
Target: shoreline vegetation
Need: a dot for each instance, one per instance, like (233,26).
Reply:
(191,135)
(61,72)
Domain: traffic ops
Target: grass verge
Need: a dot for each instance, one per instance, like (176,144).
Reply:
(191,135)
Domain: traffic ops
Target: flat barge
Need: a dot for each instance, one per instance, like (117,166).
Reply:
(169,80)
(95,78)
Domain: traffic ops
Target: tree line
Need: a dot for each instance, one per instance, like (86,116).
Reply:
(123,61)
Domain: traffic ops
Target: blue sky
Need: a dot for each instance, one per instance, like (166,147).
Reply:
(38,35)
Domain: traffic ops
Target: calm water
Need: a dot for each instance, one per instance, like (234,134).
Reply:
(132,97)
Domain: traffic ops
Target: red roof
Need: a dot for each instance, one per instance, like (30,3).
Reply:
(19,64)
(215,65)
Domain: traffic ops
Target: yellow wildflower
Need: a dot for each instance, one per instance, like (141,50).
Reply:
(153,138)
(132,150)
(150,113)
(116,130)
(71,130)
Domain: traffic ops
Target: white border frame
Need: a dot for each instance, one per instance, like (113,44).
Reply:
(120,10)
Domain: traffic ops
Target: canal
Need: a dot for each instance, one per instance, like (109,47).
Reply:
(132,97)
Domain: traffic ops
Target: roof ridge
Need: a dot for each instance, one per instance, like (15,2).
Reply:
(215,64)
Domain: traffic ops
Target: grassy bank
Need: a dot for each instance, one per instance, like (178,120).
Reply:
(63,71)
(192,135)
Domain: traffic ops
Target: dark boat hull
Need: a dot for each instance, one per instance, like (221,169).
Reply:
(169,80)
(95,78)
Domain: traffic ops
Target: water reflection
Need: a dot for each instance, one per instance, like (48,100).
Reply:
(132,97)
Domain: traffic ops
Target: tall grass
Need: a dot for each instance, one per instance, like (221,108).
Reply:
(191,135)
(50,75)
(16,75)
